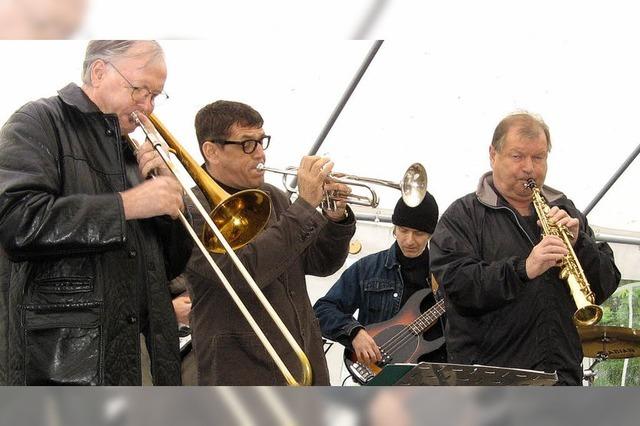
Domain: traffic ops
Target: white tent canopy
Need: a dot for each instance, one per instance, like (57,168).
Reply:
(436,103)
(432,102)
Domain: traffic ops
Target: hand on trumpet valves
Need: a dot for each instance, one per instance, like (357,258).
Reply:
(333,206)
(153,197)
(312,174)
(561,218)
(548,253)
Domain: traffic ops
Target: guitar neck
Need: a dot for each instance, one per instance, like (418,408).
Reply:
(428,318)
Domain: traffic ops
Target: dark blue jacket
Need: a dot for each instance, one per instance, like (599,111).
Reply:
(373,285)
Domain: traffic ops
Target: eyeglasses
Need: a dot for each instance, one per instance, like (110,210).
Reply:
(249,145)
(141,94)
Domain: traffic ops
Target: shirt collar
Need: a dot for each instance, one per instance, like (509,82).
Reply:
(489,196)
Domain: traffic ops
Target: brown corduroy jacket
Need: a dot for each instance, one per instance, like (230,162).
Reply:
(297,240)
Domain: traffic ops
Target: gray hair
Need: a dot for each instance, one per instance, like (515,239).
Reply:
(112,49)
(529,124)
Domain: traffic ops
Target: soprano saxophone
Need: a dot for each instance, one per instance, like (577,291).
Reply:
(588,313)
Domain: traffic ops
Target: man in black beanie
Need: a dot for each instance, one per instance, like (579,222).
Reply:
(378,285)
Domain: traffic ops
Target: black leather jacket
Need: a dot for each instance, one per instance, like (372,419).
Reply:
(80,282)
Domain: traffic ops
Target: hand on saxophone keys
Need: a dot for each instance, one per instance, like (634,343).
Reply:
(561,218)
(549,252)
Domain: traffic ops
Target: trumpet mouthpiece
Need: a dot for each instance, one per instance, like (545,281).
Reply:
(260,166)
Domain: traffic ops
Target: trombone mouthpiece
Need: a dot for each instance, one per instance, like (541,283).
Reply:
(135,118)
(260,166)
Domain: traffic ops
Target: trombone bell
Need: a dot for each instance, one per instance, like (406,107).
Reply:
(240,217)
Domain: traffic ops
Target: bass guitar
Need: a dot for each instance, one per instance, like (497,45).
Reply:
(400,338)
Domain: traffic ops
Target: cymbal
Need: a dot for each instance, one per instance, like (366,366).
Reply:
(610,342)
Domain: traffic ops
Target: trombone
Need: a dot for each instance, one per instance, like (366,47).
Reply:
(159,136)
(413,186)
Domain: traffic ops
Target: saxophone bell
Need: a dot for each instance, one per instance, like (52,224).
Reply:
(587,313)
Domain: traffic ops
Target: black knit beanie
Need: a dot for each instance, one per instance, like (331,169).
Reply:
(423,217)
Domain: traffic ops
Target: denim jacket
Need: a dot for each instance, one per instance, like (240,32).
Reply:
(373,285)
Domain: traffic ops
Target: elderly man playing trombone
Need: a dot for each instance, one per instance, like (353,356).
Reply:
(297,240)
(88,245)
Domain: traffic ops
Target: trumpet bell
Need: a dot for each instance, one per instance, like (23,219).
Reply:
(240,217)
(413,185)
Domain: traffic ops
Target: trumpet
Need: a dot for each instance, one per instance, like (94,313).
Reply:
(159,136)
(588,313)
(413,186)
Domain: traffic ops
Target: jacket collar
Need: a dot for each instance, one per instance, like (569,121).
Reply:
(392,258)
(487,195)
(74,96)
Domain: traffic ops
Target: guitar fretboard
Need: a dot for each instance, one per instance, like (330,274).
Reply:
(427,319)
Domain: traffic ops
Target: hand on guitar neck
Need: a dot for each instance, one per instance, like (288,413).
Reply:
(365,348)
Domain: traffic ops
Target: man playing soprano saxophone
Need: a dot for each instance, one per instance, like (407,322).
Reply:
(505,302)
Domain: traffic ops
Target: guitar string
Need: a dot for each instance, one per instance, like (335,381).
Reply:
(438,308)
(393,343)
(401,338)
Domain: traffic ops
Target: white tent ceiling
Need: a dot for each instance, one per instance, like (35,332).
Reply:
(436,102)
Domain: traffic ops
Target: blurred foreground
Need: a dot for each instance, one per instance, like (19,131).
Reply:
(316,406)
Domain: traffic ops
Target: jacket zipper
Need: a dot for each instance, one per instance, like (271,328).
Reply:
(512,214)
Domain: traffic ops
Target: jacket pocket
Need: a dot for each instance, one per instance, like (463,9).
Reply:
(241,360)
(63,281)
(67,285)
(379,297)
(63,343)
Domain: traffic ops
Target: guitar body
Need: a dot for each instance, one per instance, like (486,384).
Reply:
(395,335)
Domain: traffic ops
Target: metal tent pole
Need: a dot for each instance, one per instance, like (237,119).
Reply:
(613,179)
(343,101)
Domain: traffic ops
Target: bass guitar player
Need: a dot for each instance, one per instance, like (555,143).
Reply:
(378,286)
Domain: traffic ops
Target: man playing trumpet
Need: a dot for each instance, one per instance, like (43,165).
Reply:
(506,304)
(296,241)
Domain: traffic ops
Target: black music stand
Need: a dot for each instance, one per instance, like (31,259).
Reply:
(442,374)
